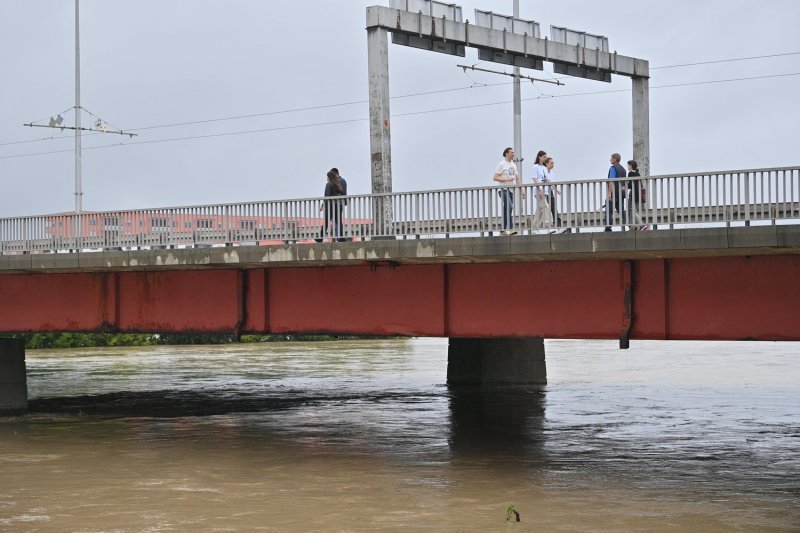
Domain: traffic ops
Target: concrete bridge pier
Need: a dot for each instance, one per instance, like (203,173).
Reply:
(13,377)
(490,361)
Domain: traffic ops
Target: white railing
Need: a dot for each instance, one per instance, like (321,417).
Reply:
(729,197)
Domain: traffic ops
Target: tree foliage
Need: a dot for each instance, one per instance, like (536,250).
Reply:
(35,341)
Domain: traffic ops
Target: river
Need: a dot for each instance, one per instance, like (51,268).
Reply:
(365,435)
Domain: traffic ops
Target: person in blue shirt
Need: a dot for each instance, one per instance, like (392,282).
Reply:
(615,191)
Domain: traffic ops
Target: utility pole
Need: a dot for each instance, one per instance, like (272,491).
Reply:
(78,184)
(517,110)
(57,121)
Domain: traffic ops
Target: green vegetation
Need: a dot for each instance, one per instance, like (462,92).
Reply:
(512,512)
(86,340)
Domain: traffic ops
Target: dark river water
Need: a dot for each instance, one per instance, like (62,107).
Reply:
(365,435)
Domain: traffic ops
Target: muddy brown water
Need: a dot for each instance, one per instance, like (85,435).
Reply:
(365,435)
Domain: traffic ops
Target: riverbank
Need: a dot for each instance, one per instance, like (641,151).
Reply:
(34,341)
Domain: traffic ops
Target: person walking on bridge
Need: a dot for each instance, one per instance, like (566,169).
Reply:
(550,177)
(506,174)
(635,196)
(344,193)
(341,179)
(543,217)
(615,191)
(332,208)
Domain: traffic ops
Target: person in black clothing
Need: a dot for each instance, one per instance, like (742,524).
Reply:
(332,208)
(344,200)
(635,203)
(344,182)
(615,191)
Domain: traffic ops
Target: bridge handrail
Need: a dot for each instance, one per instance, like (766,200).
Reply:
(454,189)
(729,196)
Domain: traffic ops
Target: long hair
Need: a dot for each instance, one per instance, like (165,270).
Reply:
(539,157)
(337,183)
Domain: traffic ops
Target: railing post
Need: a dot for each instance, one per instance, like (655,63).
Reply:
(747,199)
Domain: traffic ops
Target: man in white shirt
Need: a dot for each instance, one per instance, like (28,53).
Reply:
(506,173)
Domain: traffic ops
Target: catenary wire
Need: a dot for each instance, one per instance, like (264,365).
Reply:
(356,102)
(412,113)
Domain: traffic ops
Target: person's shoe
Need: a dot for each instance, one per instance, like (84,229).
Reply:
(317,240)
(511,232)
(645,228)
(608,229)
(503,232)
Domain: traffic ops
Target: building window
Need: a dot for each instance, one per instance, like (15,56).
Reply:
(159,225)
(111,224)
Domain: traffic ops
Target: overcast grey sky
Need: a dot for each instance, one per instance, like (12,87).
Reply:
(157,62)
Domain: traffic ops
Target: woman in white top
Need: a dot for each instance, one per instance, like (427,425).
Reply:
(538,167)
(543,217)
(552,190)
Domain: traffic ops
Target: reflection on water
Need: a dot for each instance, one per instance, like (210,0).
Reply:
(504,422)
(366,435)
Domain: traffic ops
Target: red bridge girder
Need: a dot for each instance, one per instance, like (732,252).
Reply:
(720,298)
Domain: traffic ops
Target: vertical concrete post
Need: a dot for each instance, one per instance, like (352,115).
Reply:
(380,125)
(13,377)
(518,117)
(641,123)
(505,361)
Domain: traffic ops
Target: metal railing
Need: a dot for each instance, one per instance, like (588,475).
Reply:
(729,197)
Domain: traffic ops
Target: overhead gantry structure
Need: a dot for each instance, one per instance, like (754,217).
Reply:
(441,30)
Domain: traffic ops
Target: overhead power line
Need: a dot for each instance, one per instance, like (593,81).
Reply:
(356,102)
(412,113)
(711,62)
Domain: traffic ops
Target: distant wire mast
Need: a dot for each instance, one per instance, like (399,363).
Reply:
(100,125)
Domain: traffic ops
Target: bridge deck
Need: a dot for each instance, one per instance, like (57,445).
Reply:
(695,242)
(708,283)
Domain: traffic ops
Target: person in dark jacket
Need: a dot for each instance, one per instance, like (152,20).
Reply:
(635,203)
(332,207)
(615,191)
(344,182)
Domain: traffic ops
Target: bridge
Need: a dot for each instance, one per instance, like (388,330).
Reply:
(720,260)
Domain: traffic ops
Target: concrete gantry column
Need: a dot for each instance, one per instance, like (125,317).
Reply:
(641,123)
(13,377)
(380,125)
(505,361)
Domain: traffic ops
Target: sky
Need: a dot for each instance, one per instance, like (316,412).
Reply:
(298,71)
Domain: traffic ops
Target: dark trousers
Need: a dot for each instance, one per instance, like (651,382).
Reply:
(611,206)
(507,197)
(553,210)
(333,217)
